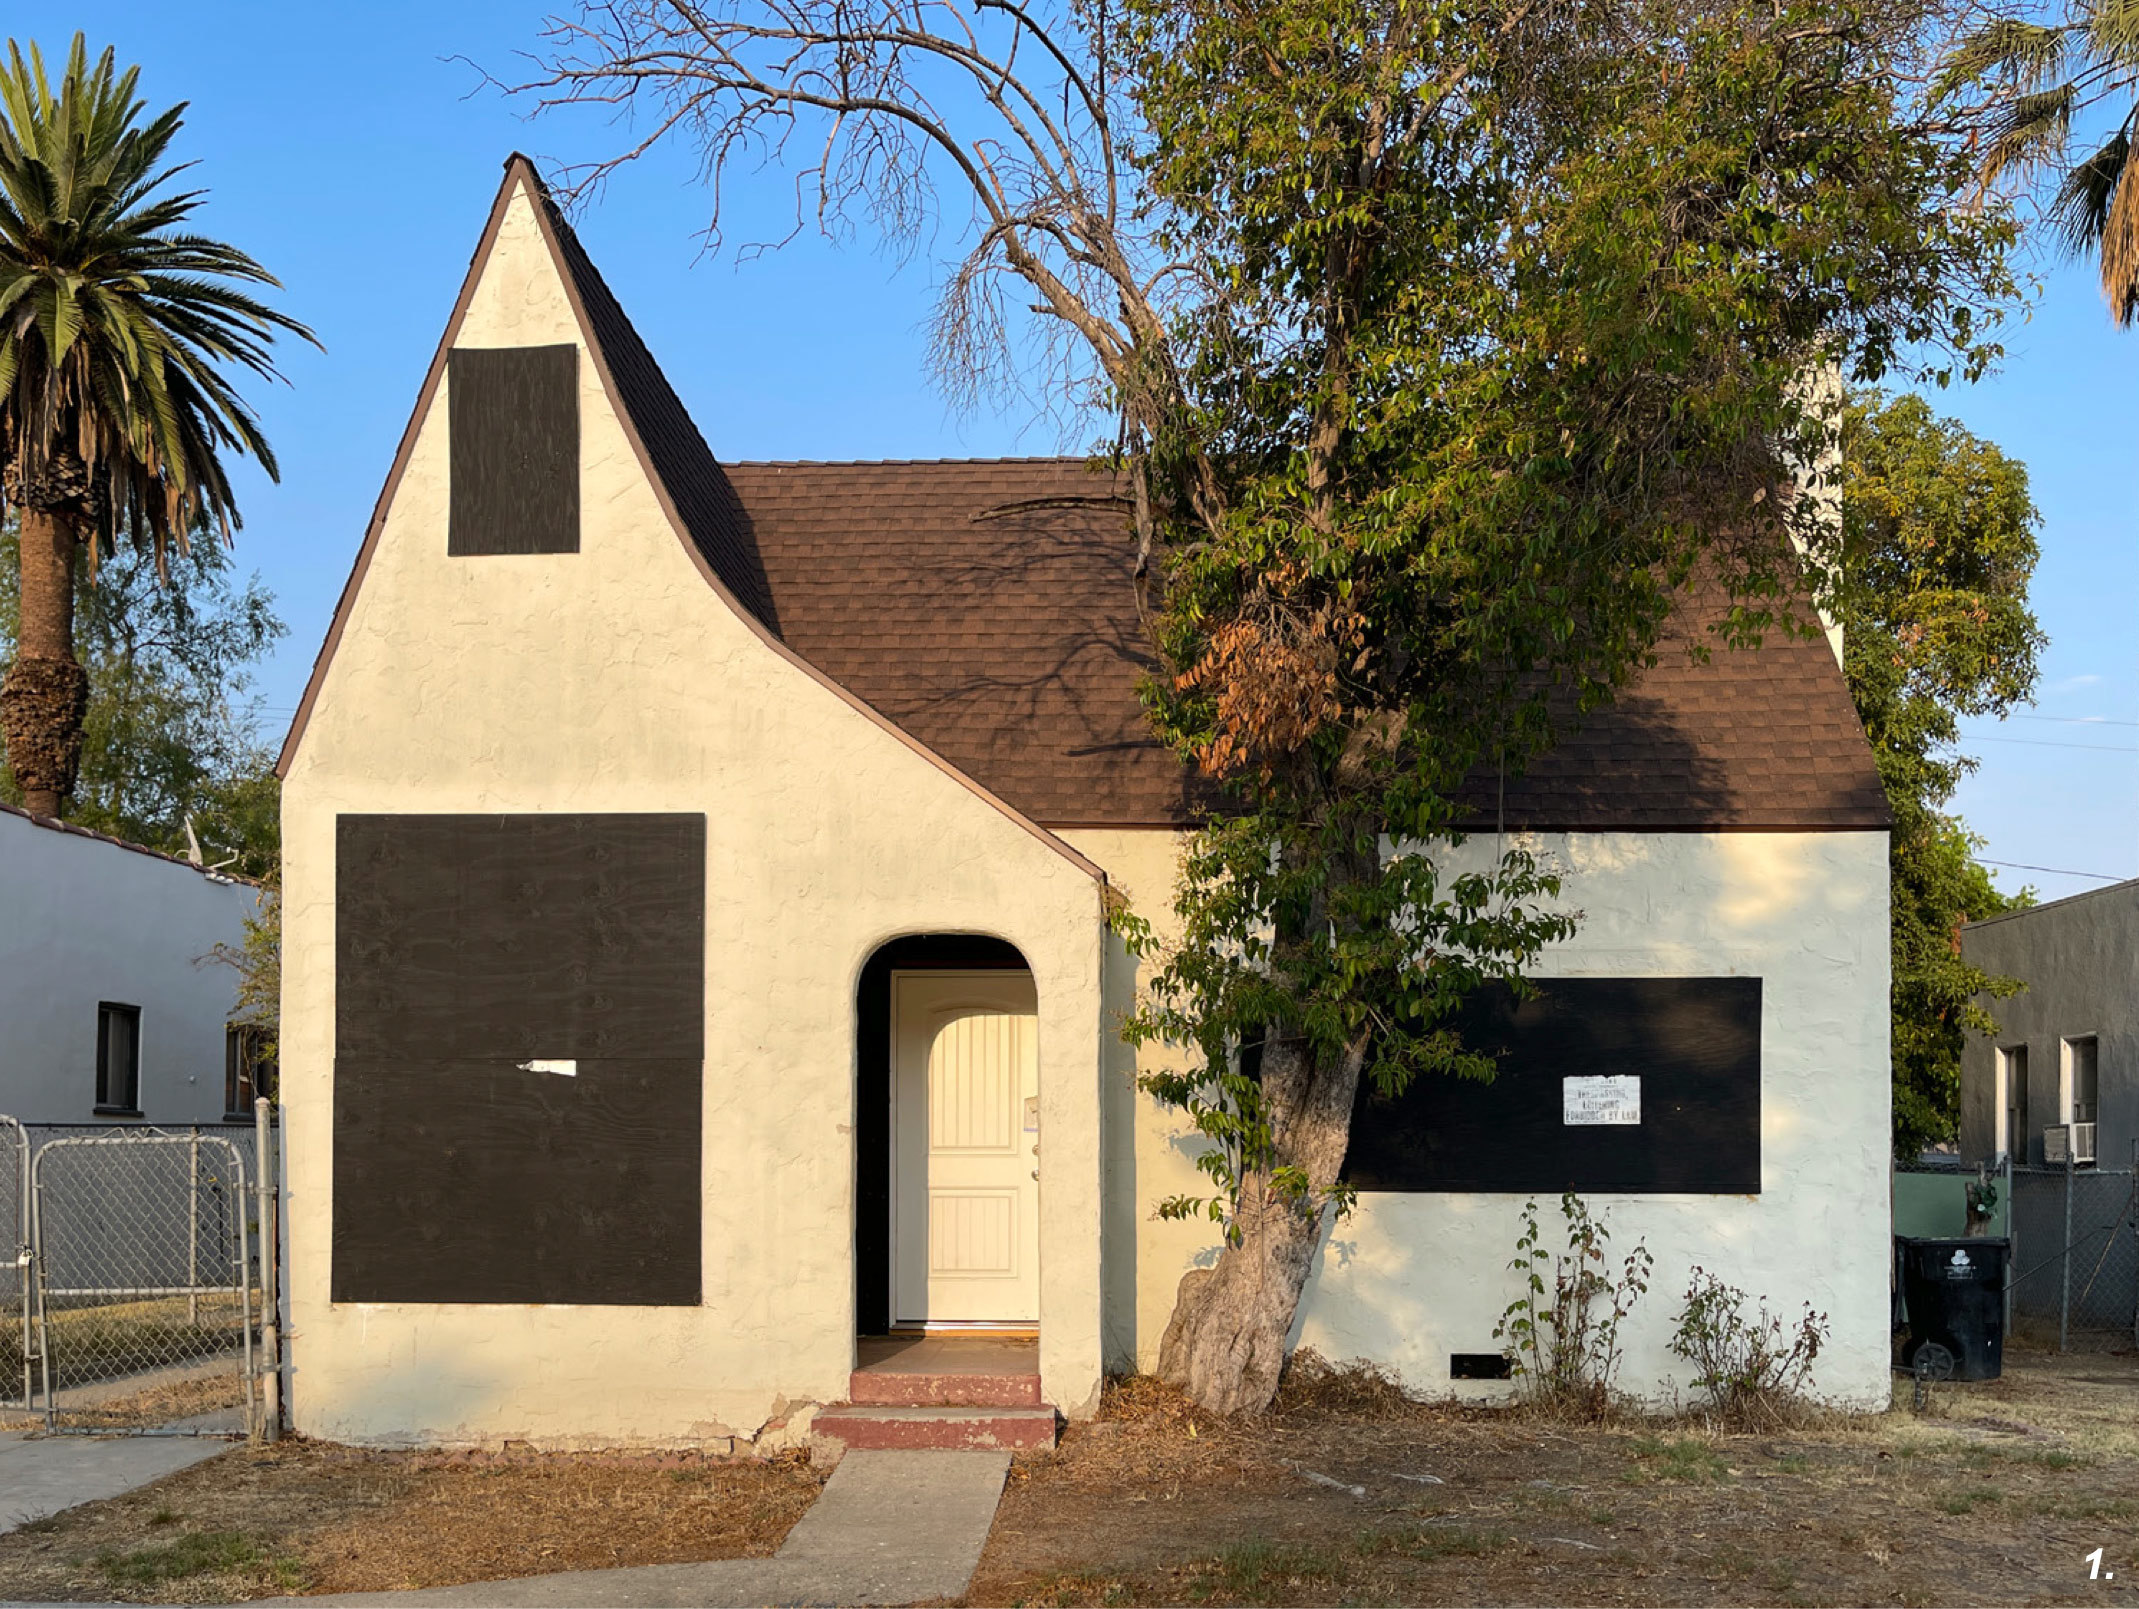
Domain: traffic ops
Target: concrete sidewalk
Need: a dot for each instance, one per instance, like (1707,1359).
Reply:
(40,1475)
(890,1528)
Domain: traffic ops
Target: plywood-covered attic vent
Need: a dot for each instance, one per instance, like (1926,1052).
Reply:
(515,459)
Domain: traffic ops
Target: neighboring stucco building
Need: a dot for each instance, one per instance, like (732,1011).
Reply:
(696,945)
(2067,1047)
(110,1010)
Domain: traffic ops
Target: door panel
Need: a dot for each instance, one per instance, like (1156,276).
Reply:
(965,1148)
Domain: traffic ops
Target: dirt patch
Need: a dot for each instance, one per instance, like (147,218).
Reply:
(1344,1494)
(304,1517)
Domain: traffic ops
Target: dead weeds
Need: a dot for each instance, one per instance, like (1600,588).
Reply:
(306,1517)
(1344,1493)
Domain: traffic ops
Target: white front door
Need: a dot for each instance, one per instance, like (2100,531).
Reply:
(965,1148)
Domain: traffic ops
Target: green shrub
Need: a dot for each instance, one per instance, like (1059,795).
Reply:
(1751,1369)
(1563,1335)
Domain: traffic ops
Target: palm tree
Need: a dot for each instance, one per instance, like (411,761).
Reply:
(2037,79)
(116,329)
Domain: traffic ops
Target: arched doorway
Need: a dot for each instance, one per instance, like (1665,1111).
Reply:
(947,1136)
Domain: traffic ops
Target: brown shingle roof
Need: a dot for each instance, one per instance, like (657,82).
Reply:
(987,609)
(1009,643)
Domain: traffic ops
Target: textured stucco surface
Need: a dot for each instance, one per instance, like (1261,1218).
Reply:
(1408,1279)
(2079,958)
(83,921)
(617,679)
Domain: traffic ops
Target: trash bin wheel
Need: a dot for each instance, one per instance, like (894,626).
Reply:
(1933,1362)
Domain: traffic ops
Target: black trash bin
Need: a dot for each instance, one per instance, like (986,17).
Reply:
(1954,1291)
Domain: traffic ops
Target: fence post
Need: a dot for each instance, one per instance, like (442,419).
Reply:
(268,1242)
(2012,1241)
(193,1229)
(2064,1263)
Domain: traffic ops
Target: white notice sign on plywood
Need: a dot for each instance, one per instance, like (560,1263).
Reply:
(1616,1099)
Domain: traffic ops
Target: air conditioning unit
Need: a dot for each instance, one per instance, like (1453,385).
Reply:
(2068,1141)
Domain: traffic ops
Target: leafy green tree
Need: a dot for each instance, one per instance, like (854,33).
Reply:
(1449,343)
(118,326)
(1939,545)
(2024,83)
(171,731)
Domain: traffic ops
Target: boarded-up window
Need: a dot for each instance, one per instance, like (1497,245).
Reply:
(515,427)
(1619,1084)
(519,1050)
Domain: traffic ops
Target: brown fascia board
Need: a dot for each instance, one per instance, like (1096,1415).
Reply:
(520,171)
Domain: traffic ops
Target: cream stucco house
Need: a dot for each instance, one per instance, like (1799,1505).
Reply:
(697,953)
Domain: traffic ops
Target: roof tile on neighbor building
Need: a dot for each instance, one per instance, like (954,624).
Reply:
(987,606)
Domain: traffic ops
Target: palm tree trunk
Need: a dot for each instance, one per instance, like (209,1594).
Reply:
(45,694)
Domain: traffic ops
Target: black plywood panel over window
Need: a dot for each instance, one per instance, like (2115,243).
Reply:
(1693,1044)
(514,413)
(519,1045)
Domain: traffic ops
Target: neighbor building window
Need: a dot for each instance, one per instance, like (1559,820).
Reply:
(2080,1080)
(119,1059)
(2013,1100)
(248,1069)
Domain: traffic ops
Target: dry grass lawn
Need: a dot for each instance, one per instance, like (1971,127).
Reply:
(1347,1494)
(306,1517)
(1993,1496)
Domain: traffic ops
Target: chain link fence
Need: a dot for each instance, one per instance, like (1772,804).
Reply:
(2075,1281)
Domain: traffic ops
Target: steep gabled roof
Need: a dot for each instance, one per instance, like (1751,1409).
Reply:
(984,611)
(678,454)
(700,509)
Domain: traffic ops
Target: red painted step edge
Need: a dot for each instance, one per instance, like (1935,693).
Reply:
(887,1388)
(875,1427)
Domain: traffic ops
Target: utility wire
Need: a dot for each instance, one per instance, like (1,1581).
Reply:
(2054,871)
(2050,743)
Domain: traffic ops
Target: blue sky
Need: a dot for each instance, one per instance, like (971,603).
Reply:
(353,151)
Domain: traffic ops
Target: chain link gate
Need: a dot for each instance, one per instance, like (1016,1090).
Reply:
(147,1295)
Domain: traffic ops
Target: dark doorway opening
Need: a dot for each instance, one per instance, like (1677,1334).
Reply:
(950,952)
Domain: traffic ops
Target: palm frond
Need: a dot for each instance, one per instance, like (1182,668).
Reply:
(2080,210)
(2011,52)
(2113,32)
(2028,132)
(119,326)
(2118,243)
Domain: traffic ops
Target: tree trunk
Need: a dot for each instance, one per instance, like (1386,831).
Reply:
(45,694)
(1225,1345)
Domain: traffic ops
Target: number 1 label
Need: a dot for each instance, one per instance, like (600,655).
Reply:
(2094,1567)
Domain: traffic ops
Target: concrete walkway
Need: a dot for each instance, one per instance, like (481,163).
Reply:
(40,1475)
(890,1528)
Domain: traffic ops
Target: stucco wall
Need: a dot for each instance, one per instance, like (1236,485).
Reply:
(82,921)
(616,679)
(2079,958)
(1409,1279)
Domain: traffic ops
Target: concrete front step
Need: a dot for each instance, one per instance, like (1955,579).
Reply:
(882,1388)
(879,1426)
